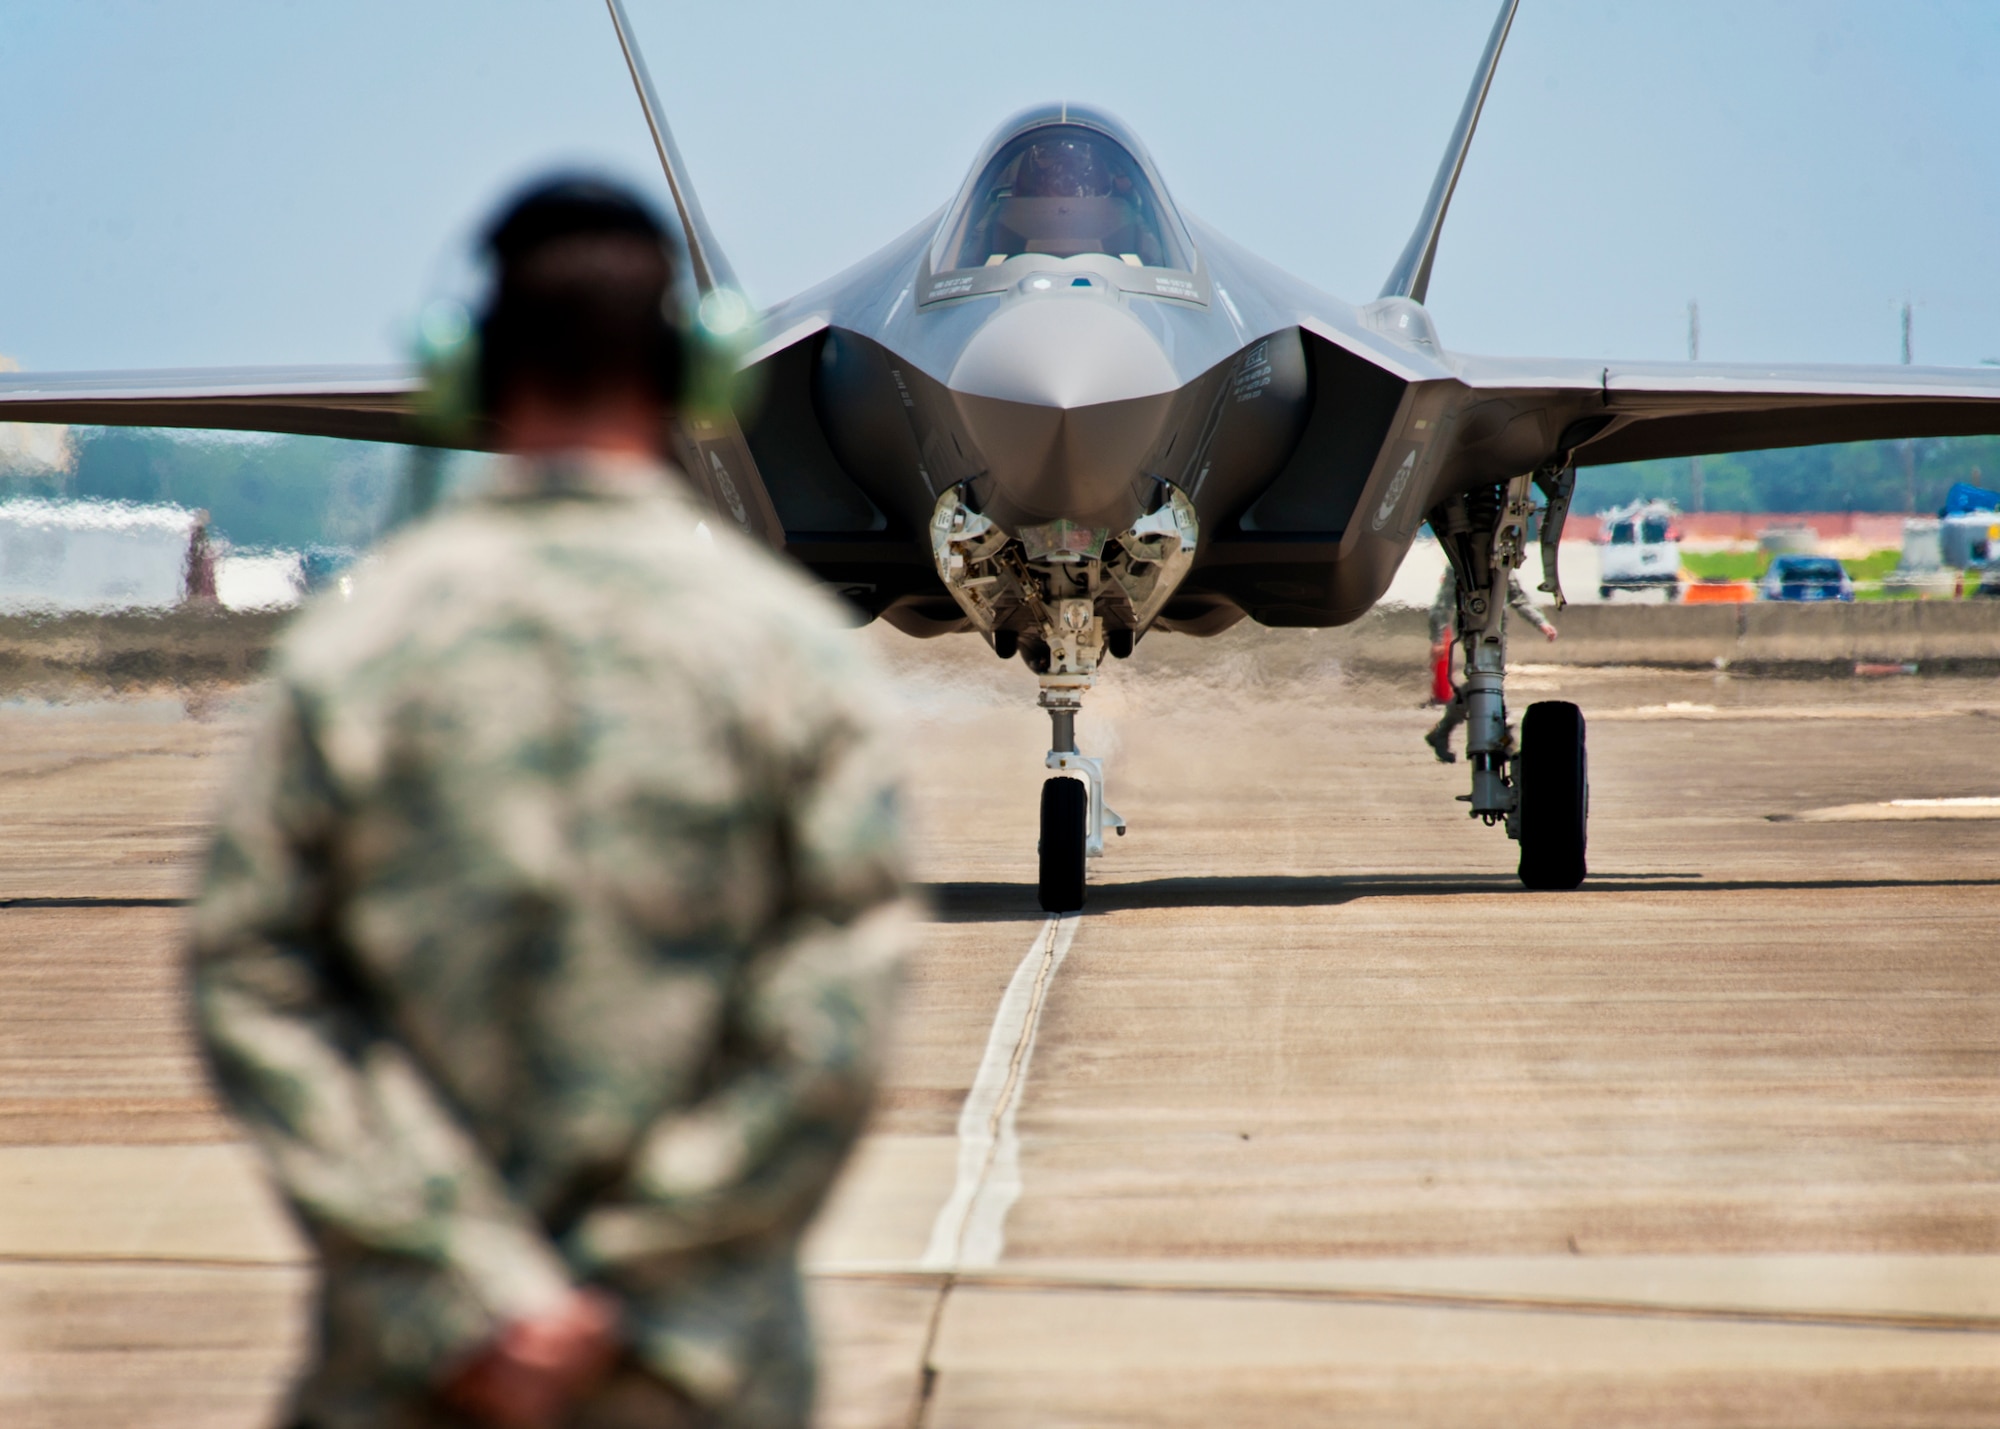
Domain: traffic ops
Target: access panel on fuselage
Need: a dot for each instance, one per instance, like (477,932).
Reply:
(1276,558)
(1353,404)
(875,558)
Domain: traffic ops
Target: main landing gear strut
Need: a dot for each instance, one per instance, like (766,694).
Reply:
(1540,790)
(1075,817)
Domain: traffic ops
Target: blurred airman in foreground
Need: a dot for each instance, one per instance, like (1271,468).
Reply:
(551,928)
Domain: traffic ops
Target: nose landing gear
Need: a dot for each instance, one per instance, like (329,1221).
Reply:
(1036,593)
(1075,816)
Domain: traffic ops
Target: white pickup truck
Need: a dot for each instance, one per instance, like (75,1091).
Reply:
(1639,548)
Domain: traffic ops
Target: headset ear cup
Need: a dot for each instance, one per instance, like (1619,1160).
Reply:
(710,384)
(718,339)
(453,400)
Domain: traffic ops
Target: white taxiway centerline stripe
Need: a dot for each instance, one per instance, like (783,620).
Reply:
(1688,710)
(969,1230)
(1978,806)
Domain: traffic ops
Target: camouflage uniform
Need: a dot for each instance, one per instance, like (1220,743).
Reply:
(548,938)
(1444,609)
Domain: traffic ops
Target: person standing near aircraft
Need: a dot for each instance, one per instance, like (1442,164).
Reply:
(550,931)
(1444,630)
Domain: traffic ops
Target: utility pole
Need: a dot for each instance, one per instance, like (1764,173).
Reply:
(1694,355)
(1909,446)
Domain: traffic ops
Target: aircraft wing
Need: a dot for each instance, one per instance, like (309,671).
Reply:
(372,404)
(368,404)
(1644,411)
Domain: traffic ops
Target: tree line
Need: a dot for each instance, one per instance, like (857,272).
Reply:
(259,492)
(1856,476)
(300,491)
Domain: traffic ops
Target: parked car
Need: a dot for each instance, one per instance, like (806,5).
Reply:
(1640,549)
(1806,578)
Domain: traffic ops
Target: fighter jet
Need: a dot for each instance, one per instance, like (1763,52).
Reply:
(1061,413)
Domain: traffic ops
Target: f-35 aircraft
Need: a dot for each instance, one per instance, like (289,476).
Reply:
(1062,413)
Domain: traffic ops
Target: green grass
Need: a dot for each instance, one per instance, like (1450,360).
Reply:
(1724,565)
(1751,565)
(1866,571)
(1873,566)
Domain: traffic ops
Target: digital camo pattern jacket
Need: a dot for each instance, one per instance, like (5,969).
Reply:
(549,936)
(1444,608)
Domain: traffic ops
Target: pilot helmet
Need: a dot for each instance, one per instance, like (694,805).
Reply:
(1063,168)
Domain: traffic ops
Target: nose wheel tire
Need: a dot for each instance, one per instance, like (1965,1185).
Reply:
(1555,796)
(1065,804)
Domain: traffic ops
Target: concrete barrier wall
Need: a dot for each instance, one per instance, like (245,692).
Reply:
(81,654)
(1944,634)
(62,655)
(1940,637)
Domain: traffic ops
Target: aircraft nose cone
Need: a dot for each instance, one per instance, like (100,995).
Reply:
(1065,399)
(1063,352)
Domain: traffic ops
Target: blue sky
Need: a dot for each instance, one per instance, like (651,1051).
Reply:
(241,181)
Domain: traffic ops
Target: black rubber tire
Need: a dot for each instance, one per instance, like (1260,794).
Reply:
(1006,643)
(1119,643)
(1555,796)
(1065,805)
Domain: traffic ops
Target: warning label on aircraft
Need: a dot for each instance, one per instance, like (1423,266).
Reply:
(727,490)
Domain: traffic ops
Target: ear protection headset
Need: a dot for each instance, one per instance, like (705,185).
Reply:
(465,354)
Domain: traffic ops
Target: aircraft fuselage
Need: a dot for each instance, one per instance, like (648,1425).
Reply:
(1062,394)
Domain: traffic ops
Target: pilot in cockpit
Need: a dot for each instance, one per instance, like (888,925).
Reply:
(1068,168)
(1063,168)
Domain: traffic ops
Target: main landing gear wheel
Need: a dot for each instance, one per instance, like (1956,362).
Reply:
(1555,796)
(1065,805)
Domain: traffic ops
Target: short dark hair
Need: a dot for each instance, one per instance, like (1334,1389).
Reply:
(583,297)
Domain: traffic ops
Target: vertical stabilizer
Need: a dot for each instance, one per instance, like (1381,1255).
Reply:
(1411,277)
(711,271)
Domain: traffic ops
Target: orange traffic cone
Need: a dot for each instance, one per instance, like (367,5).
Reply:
(1441,689)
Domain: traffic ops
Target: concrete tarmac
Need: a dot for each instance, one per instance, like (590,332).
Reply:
(1313,1116)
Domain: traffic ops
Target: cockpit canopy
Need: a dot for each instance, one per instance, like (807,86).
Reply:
(1062,188)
